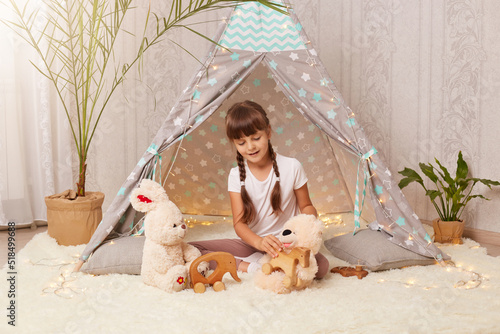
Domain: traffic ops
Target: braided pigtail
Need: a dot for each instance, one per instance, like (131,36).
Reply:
(276,193)
(248,208)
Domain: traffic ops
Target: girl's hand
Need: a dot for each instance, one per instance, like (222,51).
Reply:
(270,244)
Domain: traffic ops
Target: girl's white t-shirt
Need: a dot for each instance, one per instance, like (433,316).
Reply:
(292,177)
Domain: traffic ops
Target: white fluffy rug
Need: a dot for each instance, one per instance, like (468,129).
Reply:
(410,300)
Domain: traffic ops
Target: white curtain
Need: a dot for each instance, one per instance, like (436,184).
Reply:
(35,145)
(37,153)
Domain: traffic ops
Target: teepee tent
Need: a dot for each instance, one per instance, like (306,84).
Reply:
(267,57)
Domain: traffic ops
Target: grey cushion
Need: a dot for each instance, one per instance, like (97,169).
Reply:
(373,250)
(118,256)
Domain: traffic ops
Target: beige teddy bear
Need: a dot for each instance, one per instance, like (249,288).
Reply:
(166,257)
(304,232)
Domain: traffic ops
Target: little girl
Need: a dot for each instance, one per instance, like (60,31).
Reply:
(266,189)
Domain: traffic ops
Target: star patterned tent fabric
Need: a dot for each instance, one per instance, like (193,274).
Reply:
(197,180)
(267,57)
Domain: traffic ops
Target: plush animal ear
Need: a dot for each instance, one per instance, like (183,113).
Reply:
(148,196)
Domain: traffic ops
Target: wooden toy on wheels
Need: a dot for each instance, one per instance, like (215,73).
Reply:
(226,263)
(288,263)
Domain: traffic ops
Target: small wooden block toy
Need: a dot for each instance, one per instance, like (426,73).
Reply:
(349,271)
(288,263)
(226,263)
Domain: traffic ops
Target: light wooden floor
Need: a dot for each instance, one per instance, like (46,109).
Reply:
(24,235)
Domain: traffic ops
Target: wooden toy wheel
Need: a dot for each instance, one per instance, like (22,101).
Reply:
(219,286)
(267,268)
(199,287)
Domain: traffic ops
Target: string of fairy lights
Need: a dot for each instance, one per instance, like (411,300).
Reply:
(350,114)
(187,126)
(474,281)
(63,286)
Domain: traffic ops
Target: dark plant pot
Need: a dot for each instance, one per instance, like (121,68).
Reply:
(73,221)
(448,232)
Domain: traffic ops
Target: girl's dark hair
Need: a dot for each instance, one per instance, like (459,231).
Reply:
(245,119)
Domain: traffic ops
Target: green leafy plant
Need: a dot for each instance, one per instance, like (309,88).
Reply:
(452,194)
(76,43)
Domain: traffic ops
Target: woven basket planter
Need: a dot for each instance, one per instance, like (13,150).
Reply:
(448,232)
(72,221)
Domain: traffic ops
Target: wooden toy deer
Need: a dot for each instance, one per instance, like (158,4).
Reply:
(288,263)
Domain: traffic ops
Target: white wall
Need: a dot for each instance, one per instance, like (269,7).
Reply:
(421,75)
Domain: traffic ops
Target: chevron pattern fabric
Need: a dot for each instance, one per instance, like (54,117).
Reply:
(254,27)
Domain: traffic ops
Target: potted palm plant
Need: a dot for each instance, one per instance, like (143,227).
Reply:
(450,196)
(75,41)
